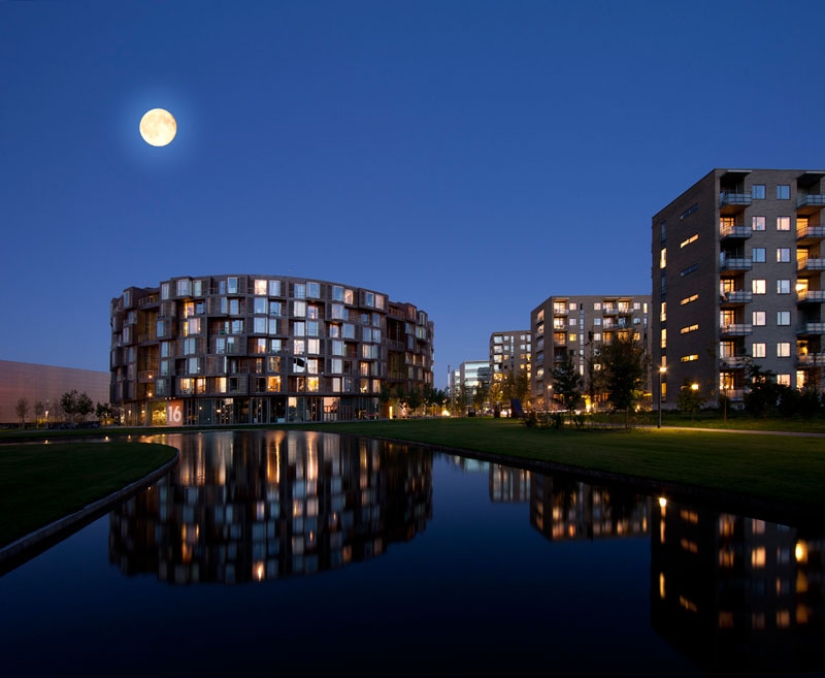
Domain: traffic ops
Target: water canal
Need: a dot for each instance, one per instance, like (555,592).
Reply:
(267,552)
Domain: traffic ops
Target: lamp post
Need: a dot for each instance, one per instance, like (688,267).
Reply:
(662,370)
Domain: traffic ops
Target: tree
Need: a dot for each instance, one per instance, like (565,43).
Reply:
(105,413)
(76,406)
(495,396)
(22,409)
(85,406)
(459,399)
(68,403)
(480,396)
(625,363)
(434,399)
(595,376)
(762,393)
(567,382)
(39,410)
(689,398)
(517,387)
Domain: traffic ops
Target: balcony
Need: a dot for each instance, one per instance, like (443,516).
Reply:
(735,232)
(610,310)
(735,264)
(808,203)
(809,234)
(736,297)
(734,394)
(809,329)
(736,330)
(734,362)
(811,360)
(810,264)
(731,203)
(810,297)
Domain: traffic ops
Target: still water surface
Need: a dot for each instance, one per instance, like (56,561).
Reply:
(267,552)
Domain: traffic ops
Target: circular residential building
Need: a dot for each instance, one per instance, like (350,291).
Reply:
(236,349)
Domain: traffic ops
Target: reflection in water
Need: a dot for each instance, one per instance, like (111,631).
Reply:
(508,484)
(737,593)
(564,509)
(734,594)
(255,506)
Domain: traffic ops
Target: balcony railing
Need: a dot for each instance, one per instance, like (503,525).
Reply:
(735,264)
(810,264)
(727,198)
(811,328)
(737,297)
(804,200)
(734,362)
(741,232)
(734,394)
(736,329)
(811,360)
(810,296)
(810,232)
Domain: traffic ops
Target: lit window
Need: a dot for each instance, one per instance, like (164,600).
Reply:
(783,349)
(689,358)
(688,300)
(758,223)
(783,223)
(688,241)
(689,328)
(758,557)
(783,379)
(758,350)
(759,318)
(759,286)
(663,258)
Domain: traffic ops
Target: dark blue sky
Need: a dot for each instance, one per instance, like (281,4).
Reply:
(472,158)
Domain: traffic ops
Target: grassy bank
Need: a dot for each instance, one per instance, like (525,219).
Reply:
(786,469)
(43,483)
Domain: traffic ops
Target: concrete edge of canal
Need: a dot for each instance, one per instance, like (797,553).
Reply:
(18,552)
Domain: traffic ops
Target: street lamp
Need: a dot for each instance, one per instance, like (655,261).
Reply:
(662,370)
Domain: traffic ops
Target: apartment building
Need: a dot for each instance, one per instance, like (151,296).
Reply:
(262,349)
(580,324)
(510,352)
(471,374)
(738,277)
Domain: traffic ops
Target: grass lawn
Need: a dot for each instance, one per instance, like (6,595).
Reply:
(786,469)
(43,483)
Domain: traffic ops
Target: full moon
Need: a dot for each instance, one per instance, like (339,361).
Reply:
(158,127)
